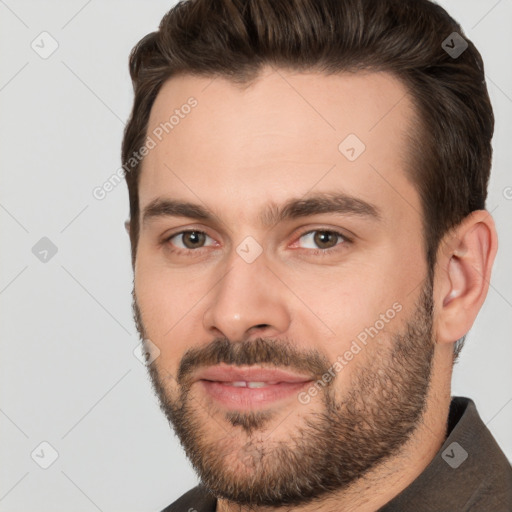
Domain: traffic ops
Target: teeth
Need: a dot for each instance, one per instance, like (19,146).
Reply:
(256,384)
(244,384)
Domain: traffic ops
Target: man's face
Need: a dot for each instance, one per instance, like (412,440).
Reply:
(295,255)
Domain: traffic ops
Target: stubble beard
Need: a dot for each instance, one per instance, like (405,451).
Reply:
(234,453)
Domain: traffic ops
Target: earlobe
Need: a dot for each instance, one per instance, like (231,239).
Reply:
(127,226)
(464,272)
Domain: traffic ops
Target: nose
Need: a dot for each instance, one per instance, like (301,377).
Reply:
(248,301)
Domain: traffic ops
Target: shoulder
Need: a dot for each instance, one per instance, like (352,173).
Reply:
(470,471)
(197,499)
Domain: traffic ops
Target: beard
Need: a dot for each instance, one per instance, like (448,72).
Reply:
(327,449)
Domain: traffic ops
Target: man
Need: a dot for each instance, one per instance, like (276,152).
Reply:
(310,246)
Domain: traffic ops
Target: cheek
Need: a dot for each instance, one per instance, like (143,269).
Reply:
(346,299)
(169,309)
(363,302)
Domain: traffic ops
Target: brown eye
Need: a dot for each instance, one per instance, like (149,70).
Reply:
(190,240)
(325,239)
(321,239)
(193,239)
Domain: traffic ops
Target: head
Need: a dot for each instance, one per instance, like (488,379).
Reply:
(328,163)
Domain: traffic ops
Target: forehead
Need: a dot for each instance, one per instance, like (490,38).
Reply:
(286,134)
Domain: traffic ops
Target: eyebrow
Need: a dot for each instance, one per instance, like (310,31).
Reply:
(339,203)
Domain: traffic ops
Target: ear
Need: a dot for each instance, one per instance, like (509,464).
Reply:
(127,226)
(462,275)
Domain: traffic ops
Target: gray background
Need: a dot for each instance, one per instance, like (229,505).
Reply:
(68,373)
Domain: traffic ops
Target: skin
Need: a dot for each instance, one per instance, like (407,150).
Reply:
(241,150)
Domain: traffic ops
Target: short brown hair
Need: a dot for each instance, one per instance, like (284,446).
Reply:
(451,146)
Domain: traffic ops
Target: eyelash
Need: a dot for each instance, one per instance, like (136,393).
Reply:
(321,252)
(342,241)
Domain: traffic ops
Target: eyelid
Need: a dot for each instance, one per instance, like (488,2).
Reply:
(184,231)
(336,231)
(346,239)
(167,239)
(179,230)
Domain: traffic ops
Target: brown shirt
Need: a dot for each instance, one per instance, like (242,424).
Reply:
(469,473)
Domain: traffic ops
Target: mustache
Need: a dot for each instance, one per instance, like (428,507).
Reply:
(258,351)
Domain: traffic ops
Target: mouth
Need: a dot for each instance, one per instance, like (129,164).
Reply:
(249,384)
(250,388)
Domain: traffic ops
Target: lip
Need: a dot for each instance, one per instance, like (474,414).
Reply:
(216,382)
(226,373)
